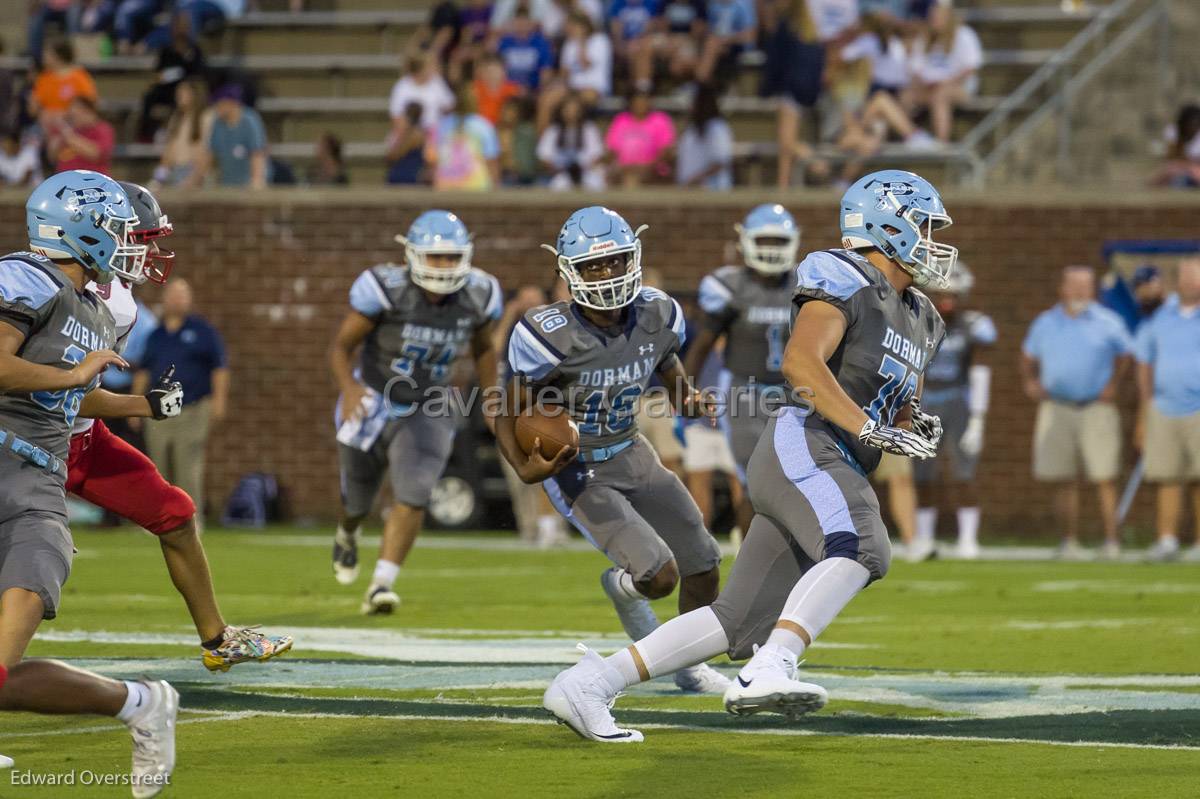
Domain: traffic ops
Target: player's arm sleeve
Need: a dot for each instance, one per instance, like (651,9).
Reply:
(678,326)
(493,303)
(531,355)
(367,295)
(829,278)
(716,303)
(27,295)
(983,330)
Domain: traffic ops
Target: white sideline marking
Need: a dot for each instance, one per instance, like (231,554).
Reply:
(242,715)
(1117,587)
(205,717)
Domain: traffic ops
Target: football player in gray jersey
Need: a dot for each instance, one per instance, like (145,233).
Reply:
(595,356)
(861,337)
(412,323)
(750,307)
(957,385)
(56,337)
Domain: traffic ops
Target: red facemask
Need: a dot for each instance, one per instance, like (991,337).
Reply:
(158,264)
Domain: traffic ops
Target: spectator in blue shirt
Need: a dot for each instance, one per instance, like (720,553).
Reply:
(1168,376)
(732,26)
(237,145)
(190,343)
(632,24)
(527,56)
(1074,357)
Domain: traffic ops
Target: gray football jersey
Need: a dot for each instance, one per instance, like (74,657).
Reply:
(61,326)
(949,368)
(598,375)
(889,341)
(753,314)
(416,341)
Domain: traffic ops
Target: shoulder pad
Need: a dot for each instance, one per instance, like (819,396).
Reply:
(839,274)
(29,281)
(656,310)
(485,294)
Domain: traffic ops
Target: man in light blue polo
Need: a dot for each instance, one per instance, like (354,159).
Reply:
(1073,359)
(1168,374)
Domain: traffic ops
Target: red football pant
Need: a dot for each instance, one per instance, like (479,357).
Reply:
(111,473)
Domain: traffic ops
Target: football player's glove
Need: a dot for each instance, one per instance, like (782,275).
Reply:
(896,440)
(166,398)
(926,424)
(971,442)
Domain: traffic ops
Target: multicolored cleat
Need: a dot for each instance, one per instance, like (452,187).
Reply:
(245,643)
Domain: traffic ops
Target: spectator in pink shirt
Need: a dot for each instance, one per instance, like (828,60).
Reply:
(640,141)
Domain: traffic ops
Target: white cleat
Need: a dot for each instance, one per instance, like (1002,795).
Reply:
(345,557)
(582,699)
(702,679)
(768,684)
(636,615)
(1164,549)
(379,601)
(967,550)
(5,762)
(919,550)
(153,732)
(1070,549)
(1111,550)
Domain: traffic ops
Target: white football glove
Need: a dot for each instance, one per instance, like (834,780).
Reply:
(896,440)
(971,442)
(926,424)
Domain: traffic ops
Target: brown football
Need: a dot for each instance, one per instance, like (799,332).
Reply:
(551,424)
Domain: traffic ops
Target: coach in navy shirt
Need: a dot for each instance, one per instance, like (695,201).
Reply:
(190,343)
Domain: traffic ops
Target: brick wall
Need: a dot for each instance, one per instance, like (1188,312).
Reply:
(272,273)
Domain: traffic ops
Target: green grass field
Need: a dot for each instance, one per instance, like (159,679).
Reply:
(946,679)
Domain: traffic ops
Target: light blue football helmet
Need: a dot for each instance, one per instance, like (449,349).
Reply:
(85,216)
(597,232)
(897,212)
(769,221)
(438,232)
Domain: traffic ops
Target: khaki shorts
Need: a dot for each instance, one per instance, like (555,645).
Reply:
(656,421)
(1074,440)
(892,466)
(1172,446)
(707,450)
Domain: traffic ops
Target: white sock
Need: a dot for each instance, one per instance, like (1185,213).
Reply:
(788,640)
(345,536)
(819,597)
(926,523)
(623,671)
(968,526)
(628,589)
(683,641)
(386,573)
(549,525)
(136,701)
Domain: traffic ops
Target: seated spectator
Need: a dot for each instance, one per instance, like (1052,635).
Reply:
(81,139)
(424,85)
(525,52)
(60,82)
(237,145)
(188,131)
(42,12)
(134,19)
(406,148)
(634,25)
(685,23)
(732,27)
(474,20)
(463,152)
(328,168)
(440,34)
(518,137)
(945,66)
(571,150)
(179,60)
(209,16)
(1181,169)
(585,69)
(551,15)
(19,162)
(705,155)
(640,140)
(492,88)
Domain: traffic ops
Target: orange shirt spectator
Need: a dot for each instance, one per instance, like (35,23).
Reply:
(62,80)
(492,89)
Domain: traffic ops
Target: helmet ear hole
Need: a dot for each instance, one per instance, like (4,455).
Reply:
(89,240)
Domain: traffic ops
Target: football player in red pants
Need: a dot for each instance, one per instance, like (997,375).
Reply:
(110,473)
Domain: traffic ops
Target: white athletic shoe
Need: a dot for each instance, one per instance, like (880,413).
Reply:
(967,550)
(920,549)
(1070,549)
(1192,555)
(153,732)
(582,698)
(768,684)
(379,601)
(345,557)
(5,762)
(636,615)
(1110,550)
(702,679)
(1164,549)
